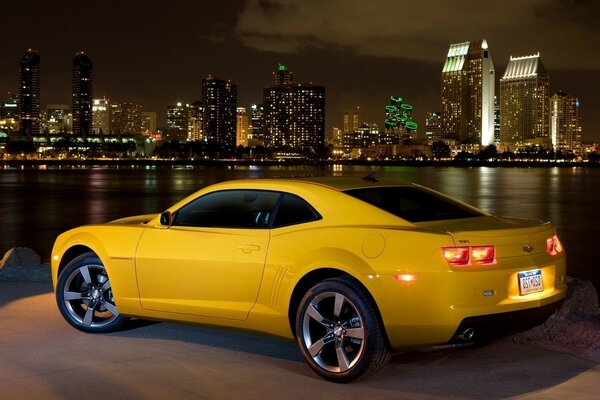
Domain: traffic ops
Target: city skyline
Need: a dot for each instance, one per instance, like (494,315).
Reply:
(242,41)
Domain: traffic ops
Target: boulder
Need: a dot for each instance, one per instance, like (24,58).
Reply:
(581,301)
(20,257)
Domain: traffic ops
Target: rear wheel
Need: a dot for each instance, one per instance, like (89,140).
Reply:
(84,296)
(338,331)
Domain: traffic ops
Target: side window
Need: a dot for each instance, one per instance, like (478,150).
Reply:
(294,210)
(229,209)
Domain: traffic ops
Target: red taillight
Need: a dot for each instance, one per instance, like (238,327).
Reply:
(553,245)
(483,254)
(456,255)
(461,256)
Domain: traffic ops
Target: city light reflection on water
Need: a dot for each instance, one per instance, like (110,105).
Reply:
(37,205)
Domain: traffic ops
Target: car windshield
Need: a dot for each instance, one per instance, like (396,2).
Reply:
(413,204)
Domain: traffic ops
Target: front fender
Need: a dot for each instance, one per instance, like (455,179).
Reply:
(115,246)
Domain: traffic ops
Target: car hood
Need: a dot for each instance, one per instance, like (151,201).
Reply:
(135,220)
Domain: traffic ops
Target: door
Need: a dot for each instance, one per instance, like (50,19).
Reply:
(210,261)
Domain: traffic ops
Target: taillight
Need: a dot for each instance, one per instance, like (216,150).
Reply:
(483,254)
(463,255)
(456,255)
(553,245)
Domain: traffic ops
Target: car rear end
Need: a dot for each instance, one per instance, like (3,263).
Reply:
(491,276)
(507,277)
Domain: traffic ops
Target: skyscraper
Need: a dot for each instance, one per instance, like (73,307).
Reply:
(351,120)
(468,78)
(256,136)
(101,116)
(83,94)
(524,101)
(29,93)
(565,127)
(219,99)
(195,111)
(177,122)
(242,129)
(433,126)
(294,114)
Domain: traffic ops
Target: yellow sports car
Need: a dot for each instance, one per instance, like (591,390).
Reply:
(352,269)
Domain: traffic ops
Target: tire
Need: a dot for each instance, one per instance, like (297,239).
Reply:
(338,331)
(84,296)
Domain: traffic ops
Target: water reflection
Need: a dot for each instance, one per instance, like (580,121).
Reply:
(36,205)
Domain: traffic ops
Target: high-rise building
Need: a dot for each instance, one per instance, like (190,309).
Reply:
(57,118)
(219,99)
(9,114)
(282,76)
(565,127)
(195,112)
(433,126)
(242,128)
(29,93)
(83,94)
(468,78)
(149,122)
(177,122)
(351,120)
(294,114)
(524,102)
(130,119)
(101,116)
(256,135)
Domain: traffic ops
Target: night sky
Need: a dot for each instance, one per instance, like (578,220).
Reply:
(157,52)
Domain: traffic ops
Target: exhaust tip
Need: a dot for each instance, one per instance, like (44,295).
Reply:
(466,335)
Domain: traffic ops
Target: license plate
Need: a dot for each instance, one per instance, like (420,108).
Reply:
(530,282)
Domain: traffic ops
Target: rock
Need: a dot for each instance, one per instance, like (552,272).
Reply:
(581,301)
(20,257)
(21,264)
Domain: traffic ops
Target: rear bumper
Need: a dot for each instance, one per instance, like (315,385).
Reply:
(486,327)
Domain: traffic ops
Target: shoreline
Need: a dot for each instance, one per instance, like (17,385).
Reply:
(143,162)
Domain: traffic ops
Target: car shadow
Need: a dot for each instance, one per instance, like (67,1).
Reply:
(497,370)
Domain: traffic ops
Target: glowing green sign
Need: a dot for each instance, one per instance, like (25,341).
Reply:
(399,113)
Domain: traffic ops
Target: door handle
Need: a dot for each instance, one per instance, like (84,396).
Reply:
(249,248)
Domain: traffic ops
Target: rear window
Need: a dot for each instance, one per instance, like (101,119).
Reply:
(413,204)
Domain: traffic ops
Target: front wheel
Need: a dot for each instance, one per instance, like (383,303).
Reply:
(338,331)
(84,296)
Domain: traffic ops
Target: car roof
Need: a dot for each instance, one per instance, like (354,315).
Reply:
(352,182)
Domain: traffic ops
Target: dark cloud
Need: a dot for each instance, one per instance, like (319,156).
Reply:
(156,52)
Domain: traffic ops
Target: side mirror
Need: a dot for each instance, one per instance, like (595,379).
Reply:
(165,218)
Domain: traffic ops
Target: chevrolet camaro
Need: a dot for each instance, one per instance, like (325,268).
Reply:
(352,269)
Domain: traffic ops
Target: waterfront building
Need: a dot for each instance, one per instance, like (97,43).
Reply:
(496,121)
(57,119)
(351,120)
(256,135)
(433,126)
(101,116)
(83,94)
(242,128)
(565,126)
(219,99)
(524,102)
(468,84)
(149,122)
(29,93)
(195,111)
(294,114)
(9,114)
(129,121)
(177,122)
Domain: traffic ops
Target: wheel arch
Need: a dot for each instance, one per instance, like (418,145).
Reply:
(317,275)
